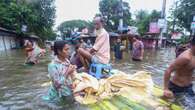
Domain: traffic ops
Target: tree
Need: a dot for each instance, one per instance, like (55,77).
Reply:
(67,27)
(38,15)
(46,16)
(110,10)
(143,19)
(183,14)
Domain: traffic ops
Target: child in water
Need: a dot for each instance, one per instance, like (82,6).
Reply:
(33,52)
(61,72)
(28,51)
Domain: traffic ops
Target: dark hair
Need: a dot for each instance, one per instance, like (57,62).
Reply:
(75,42)
(58,46)
(193,40)
(81,40)
(31,41)
(136,36)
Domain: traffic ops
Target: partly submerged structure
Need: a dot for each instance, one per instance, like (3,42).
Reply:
(11,39)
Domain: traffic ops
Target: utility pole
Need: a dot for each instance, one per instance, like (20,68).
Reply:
(162,17)
(174,19)
(120,27)
(163,9)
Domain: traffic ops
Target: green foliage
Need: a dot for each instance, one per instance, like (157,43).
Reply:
(38,15)
(110,9)
(184,40)
(183,14)
(66,27)
(143,19)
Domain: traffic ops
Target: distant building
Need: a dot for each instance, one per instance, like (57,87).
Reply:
(11,40)
(176,35)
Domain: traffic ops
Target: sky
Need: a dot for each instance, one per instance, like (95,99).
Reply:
(86,9)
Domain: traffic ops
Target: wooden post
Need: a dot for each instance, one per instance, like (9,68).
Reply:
(10,41)
(156,44)
(127,42)
(4,43)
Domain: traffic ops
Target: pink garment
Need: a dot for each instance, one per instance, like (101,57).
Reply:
(102,46)
(137,49)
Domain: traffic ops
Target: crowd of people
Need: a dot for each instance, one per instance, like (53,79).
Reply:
(62,68)
(178,77)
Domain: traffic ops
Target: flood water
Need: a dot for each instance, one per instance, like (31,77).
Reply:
(21,87)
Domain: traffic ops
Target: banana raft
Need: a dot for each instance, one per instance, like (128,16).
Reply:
(120,91)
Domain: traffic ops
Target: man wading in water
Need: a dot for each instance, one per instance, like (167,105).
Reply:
(181,82)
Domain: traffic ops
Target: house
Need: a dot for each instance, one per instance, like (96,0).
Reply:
(150,40)
(11,39)
(8,39)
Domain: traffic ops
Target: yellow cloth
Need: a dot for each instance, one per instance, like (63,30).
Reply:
(137,87)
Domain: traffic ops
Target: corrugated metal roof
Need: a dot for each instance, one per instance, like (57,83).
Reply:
(6,30)
(17,35)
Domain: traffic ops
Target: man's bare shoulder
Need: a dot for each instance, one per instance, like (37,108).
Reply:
(186,56)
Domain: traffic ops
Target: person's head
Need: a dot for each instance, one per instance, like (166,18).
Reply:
(193,44)
(61,49)
(28,43)
(133,38)
(81,40)
(118,40)
(98,22)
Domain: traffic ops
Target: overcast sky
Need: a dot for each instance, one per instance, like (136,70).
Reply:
(86,9)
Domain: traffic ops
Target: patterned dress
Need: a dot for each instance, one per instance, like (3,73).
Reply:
(61,82)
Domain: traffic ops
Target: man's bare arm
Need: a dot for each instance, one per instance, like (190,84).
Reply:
(177,64)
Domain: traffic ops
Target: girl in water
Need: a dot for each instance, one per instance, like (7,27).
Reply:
(61,72)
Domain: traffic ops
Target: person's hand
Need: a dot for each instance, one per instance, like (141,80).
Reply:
(168,94)
(71,69)
(92,51)
(73,86)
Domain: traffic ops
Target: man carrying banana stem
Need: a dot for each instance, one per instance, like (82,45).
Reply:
(100,52)
(181,81)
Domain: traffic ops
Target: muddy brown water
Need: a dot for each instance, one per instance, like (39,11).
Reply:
(21,87)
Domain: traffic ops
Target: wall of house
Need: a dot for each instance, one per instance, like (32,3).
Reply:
(1,44)
(7,43)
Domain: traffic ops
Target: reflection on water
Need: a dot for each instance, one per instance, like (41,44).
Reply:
(21,87)
(155,61)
